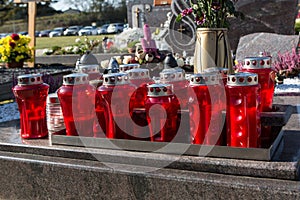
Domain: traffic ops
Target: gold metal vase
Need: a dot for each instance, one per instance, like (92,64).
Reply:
(212,49)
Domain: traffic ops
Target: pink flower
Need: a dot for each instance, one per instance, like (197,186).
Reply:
(187,11)
(15,37)
(215,6)
(200,19)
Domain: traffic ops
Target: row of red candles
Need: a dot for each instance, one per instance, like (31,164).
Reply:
(141,110)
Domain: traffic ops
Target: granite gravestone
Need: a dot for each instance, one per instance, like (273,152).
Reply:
(252,44)
(272,16)
(142,12)
(181,36)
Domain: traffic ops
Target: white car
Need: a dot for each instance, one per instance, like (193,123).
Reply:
(57,32)
(88,30)
(72,30)
(115,28)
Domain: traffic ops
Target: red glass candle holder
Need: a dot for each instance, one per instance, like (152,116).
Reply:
(92,70)
(205,110)
(126,67)
(77,100)
(243,114)
(176,77)
(117,92)
(31,94)
(162,112)
(141,79)
(262,67)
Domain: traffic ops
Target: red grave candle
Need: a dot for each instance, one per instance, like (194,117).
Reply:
(117,92)
(243,114)
(92,70)
(141,79)
(161,111)
(31,94)
(205,110)
(176,77)
(262,67)
(77,100)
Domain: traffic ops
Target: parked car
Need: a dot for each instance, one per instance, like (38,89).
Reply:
(23,33)
(126,27)
(57,32)
(2,35)
(88,30)
(44,33)
(115,28)
(72,30)
(103,29)
(37,33)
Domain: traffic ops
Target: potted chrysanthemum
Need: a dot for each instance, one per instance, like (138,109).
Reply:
(211,19)
(15,50)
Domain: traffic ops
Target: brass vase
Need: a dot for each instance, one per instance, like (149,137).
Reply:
(212,49)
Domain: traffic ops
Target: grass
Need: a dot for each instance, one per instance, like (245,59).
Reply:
(62,41)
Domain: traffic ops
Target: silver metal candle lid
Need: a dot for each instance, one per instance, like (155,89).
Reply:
(138,74)
(88,68)
(205,79)
(160,90)
(126,67)
(257,63)
(221,70)
(75,79)
(30,79)
(242,79)
(171,75)
(116,79)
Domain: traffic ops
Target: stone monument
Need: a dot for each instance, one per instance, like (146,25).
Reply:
(142,12)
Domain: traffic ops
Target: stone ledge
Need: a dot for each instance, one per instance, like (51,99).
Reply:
(41,177)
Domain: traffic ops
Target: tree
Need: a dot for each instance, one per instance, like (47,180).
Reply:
(6,10)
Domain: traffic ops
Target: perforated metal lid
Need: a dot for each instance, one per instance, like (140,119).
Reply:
(126,67)
(242,79)
(257,62)
(52,98)
(205,79)
(30,79)
(116,79)
(221,70)
(76,79)
(138,74)
(160,90)
(88,68)
(171,75)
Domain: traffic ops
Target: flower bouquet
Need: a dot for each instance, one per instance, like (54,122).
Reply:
(15,49)
(210,13)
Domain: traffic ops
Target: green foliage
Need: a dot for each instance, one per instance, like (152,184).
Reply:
(297,26)
(132,44)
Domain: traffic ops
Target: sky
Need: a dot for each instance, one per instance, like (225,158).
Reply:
(64,5)
(61,5)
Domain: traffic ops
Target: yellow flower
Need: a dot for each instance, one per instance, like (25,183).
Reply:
(15,48)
